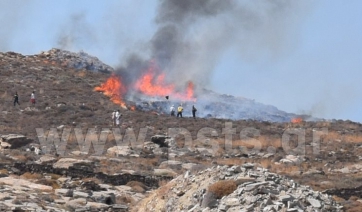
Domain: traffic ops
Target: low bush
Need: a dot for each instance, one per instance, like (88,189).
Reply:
(223,188)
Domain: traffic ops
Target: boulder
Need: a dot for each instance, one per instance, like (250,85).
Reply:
(24,183)
(104,197)
(172,164)
(117,151)
(160,140)
(97,206)
(68,162)
(209,200)
(164,172)
(15,140)
(46,159)
(76,203)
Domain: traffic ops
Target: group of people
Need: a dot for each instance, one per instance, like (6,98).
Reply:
(16,98)
(116,116)
(180,109)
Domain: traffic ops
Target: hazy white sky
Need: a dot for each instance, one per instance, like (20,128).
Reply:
(317,69)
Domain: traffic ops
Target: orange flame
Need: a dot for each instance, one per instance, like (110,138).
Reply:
(296,120)
(158,88)
(190,91)
(152,84)
(114,89)
(133,108)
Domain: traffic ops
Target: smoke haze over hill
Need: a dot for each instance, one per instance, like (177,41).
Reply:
(300,56)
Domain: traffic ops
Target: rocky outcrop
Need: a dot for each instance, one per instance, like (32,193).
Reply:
(255,189)
(86,171)
(14,141)
(161,140)
(80,60)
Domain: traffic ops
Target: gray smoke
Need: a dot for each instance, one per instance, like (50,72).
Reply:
(192,36)
(12,21)
(76,33)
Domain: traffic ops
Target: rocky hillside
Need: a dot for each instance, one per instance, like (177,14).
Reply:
(112,177)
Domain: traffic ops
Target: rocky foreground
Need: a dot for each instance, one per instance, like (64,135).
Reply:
(237,188)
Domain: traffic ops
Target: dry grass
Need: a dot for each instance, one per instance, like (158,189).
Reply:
(31,176)
(4,171)
(352,205)
(223,188)
(162,182)
(125,199)
(337,137)
(54,176)
(162,191)
(137,186)
(262,141)
(49,182)
(92,179)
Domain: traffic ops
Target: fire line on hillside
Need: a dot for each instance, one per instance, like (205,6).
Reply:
(151,83)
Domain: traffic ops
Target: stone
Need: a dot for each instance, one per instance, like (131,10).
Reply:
(117,151)
(209,200)
(80,194)
(171,164)
(232,202)
(104,197)
(315,203)
(60,191)
(248,165)
(254,186)
(97,205)
(46,159)
(164,172)
(286,198)
(65,163)
(76,203)
(15,140)
(24,183)
(160,140)
(120,207)
(240,180)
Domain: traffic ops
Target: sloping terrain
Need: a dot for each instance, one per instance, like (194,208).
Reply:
(65,99)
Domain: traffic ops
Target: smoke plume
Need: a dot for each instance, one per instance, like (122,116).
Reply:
(192,36)
(75,33)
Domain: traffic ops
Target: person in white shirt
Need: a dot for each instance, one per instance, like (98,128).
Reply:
(32,98)
(172,110)
(114,118)
(118,117)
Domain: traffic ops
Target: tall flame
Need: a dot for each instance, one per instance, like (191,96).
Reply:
(114,89)
(190,91)
(151,87)
(153,84)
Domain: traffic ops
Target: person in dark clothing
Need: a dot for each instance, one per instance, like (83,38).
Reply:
(16,99)
(194,111)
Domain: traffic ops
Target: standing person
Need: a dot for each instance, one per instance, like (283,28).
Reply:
(16,99)
(32,98)
(118,117)
(194,111)
(172,110)
(179,111)
(114,118)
